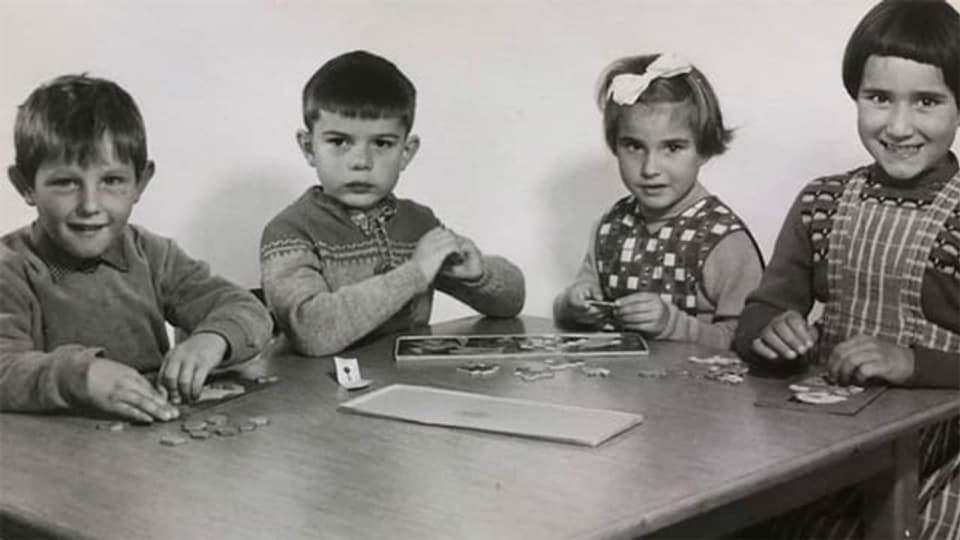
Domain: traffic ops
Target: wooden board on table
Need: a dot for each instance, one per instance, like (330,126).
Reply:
(520,417)
(492,346)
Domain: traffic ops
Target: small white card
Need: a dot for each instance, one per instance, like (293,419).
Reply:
(348,373)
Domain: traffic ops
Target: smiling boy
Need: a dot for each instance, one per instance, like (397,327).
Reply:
(84,295)
(349,259)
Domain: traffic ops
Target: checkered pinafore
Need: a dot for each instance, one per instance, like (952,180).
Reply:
(878,252)
(668,262)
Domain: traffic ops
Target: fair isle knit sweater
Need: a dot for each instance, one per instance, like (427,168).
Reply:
(58,314)
(330,284)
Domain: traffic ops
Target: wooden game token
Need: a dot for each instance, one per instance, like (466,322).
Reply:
(819,398)
(112,426)
(264,379)
(247,426)
(193,425)
(172,440)
(200,434)
(217,420)
(259,420)
(226,431)
(799,388)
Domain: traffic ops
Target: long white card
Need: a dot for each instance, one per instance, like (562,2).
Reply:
(525,418)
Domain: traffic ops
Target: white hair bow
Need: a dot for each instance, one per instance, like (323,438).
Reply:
(625,88)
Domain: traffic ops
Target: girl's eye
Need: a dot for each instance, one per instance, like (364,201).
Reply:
(877,99)
(674,147)
(927,102)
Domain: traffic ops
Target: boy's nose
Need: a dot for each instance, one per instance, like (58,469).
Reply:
(89,203)
(900,122)
(361,158)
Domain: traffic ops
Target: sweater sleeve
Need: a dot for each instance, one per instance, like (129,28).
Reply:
(197,301)
(730,272)
(499,292)
(32,379)
(787,284)
(319,321)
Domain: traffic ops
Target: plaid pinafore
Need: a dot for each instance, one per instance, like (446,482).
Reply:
(668,262)
(878,252)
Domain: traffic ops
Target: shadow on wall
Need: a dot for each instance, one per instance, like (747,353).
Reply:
(228,230)
(574,197)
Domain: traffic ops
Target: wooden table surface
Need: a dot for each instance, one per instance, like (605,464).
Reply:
(705,459)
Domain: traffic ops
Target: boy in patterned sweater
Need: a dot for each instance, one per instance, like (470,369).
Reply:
(84,295)
(878,246)
(672,259)
(349,260)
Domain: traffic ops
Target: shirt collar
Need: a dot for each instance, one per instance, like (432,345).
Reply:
(361,218)
(64,262)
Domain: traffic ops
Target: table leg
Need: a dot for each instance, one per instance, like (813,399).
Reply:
(890,498)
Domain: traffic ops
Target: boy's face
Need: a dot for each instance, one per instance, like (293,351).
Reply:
(656,150)
(358,160)
(906,115)
(84,208)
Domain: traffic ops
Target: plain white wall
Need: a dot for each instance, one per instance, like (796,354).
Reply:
(512,152)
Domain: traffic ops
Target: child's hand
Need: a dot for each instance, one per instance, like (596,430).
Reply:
(582,312)
(187,365)
(433,249)
(468,264)
(861,358)
(788,336)
(119,389)
(644,312)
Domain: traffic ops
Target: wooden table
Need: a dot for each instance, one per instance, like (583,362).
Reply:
(705,462)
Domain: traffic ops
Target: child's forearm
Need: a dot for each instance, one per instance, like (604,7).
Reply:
(935,369)
(33,380)
(500,292)
(198,301)
(319,321)
(682,326)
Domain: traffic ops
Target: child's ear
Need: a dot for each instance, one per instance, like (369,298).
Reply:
(410,147)
(20,183)
(145,176)
(305,142)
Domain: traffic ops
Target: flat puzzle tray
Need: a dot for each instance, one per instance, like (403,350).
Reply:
(480,412)
(489,346)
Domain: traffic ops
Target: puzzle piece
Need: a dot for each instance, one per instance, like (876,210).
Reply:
(530,374)
(818,390)
(661,373)
(218,391)
(715,360)
(560,364)
(478,369)
(595,371)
